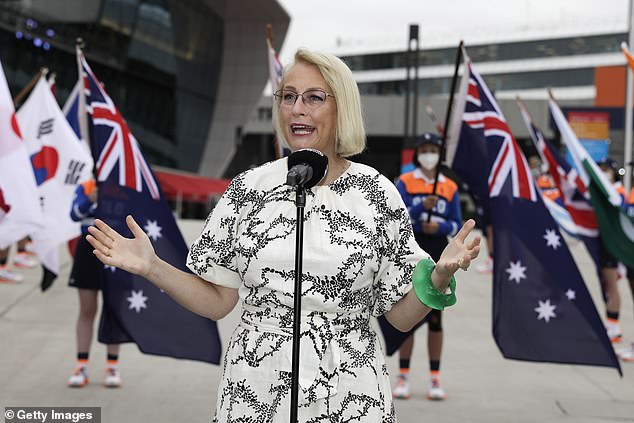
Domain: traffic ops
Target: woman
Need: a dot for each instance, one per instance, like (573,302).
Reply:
(434,208)
(359,255)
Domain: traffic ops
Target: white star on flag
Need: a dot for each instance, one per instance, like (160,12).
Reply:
(552,239)
(545,310)
(153,230)
(571,294)
(137,301)
(516,271)
(111,268)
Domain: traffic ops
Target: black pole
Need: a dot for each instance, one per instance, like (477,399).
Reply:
(443,136)
(413,30)
(300,202)
(407,93)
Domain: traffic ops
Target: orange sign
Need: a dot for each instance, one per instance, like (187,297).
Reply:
(590,125)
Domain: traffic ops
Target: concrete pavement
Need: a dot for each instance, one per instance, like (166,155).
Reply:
(37,351)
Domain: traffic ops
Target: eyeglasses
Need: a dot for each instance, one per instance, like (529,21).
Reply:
(311,98)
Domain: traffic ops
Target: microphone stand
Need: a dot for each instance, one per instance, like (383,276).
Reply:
(300,202)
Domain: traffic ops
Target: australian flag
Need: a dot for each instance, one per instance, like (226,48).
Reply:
(542,310)
(134,309)
(574,195)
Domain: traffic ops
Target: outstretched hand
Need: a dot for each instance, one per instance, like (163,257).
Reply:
(458,254)
(134,255)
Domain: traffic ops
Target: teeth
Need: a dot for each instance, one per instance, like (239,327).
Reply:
(302,129)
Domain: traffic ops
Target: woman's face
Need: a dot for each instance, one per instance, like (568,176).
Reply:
(303,125)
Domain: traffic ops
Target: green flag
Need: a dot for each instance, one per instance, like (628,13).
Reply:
(616,227)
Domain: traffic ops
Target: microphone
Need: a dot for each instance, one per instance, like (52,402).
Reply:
(306,168)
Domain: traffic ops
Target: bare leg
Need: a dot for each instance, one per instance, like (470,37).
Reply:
(86,318)
(614,299)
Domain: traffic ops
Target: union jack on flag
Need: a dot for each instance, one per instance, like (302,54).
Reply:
(112,140)
(483,113)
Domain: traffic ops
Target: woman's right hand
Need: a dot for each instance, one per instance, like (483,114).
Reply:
(135,255)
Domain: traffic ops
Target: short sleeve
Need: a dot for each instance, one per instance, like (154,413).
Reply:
(213,255)
(398,253)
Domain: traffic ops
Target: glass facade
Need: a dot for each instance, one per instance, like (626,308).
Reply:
(562,47)
(158,59)
(570,46)
(496,82)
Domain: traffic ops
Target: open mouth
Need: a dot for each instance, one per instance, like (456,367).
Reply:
(297,129)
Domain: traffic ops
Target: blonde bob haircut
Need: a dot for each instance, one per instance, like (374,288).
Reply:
(350,133)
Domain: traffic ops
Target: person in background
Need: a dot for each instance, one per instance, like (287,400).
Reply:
(435,215)
(627,354)
(360,260)
(609,264)
(87,276)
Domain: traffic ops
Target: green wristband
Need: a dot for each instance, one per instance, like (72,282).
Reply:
(425,289)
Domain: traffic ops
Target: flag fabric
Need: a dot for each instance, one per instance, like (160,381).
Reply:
(59,163)
(71,109)
(615,226)
(573,193)
(542,310)
(16,176)
(134,309)
(276,71)
(4,207)
(628,55)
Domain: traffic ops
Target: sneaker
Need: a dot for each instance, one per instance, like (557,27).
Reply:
(627,354)
(614,332)
(79,378)
(401,389)
(7,276)
(113,377)
(24,260)
(435,393)
(486,267)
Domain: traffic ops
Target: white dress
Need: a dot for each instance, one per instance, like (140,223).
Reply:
(359,253)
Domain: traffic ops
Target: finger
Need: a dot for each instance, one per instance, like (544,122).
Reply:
(98,245)
(107,230)
(103,258)
(134,227)
(474,242)
(465,230)
(100,236)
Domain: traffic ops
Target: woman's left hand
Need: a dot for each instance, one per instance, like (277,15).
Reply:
(458,254)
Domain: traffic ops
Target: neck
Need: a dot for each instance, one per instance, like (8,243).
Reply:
(429,174)
(336,166)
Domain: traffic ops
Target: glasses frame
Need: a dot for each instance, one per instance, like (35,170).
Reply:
(279,97)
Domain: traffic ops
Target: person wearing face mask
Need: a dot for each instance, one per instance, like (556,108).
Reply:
(609,264)
(417,190)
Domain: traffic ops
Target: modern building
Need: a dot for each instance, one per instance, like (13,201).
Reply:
(185,74)
(586,72)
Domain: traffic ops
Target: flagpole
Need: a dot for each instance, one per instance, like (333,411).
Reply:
(443,135)
(18,98)
(627,158)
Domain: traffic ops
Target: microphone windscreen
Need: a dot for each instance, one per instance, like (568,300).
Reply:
(313,158)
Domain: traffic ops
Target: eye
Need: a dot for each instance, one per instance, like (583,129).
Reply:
(289,96)
(315,97)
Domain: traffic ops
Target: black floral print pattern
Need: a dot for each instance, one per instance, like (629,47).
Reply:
(359,253)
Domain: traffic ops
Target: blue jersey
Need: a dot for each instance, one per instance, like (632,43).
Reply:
(414,187)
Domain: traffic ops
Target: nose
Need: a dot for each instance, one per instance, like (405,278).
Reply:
(299,108)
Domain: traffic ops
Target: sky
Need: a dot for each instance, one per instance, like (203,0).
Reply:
(357,26)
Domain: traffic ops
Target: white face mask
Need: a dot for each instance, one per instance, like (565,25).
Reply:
(428,160)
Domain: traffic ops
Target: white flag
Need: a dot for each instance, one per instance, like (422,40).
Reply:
(16,176)
(59,162)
